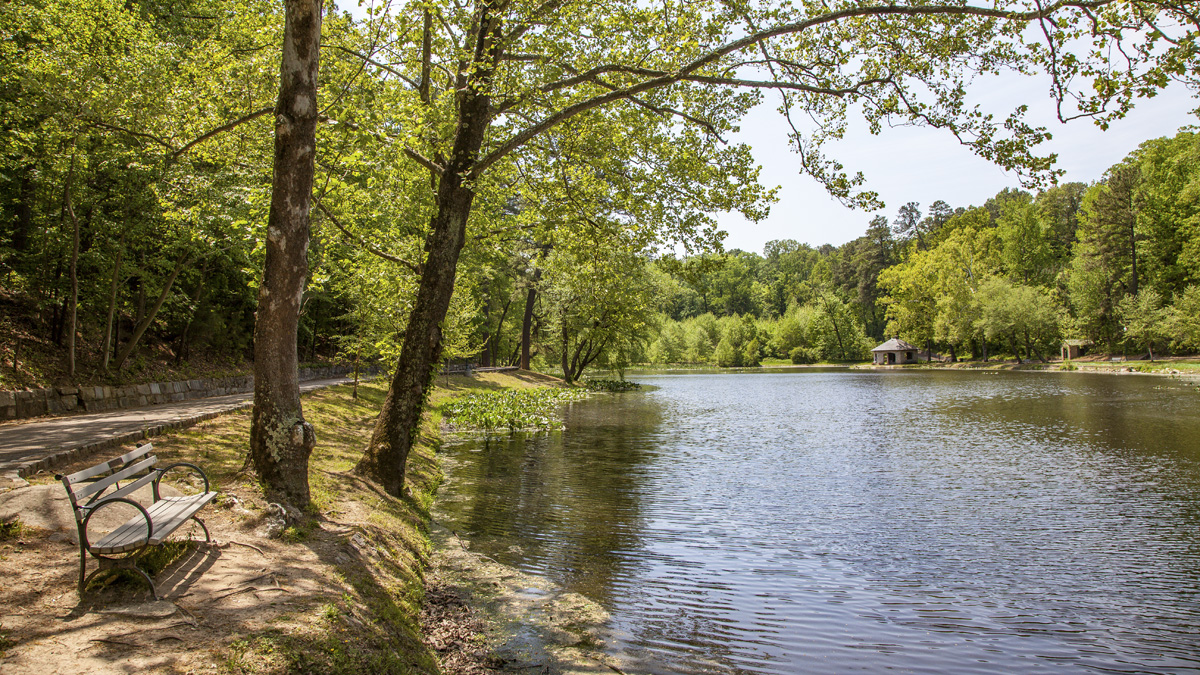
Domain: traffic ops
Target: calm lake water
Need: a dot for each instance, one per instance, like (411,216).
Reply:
(830,521)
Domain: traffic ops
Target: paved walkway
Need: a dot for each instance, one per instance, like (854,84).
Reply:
(29,447)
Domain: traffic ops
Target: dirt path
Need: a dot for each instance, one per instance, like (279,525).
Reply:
(240,584)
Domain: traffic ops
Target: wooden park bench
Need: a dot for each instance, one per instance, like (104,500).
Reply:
(124,546)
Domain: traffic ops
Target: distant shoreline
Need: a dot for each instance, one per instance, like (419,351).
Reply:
(1163,367)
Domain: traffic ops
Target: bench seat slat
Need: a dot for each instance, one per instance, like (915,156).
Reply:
(110,465)
(167,515)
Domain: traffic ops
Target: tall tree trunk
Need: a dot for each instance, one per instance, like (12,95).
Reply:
(112,303)
(399,421)
(527,320)
(485,359)
(357,351)
(141,327)
(1133,285)
(566,355)
(495,345)
(73,274)
(280,440)
(527,326)
(184,346)
(1012,341)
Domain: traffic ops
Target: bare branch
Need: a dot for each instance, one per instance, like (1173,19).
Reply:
(139,134)
(434,168)
(382,66)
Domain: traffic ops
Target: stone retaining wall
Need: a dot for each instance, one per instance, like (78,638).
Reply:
(58,400)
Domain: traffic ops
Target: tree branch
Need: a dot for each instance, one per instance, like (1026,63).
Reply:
(366,59)
(416,269)
(221,129)
(688,71)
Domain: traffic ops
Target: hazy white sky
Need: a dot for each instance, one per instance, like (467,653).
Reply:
(924,165)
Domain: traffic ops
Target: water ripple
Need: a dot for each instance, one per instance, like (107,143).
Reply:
(840,521)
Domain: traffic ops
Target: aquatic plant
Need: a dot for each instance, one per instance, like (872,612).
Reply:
(512,409)
(611,385)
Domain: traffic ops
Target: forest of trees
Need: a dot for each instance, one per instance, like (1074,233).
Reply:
(1116,263)
(250,179)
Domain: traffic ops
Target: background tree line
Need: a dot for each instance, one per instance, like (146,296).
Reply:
(1116,263)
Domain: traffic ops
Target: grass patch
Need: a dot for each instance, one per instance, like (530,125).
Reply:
(11,529)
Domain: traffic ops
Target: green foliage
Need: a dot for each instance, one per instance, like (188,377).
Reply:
(511,409)
(1185,320)
(800,355)
(611,385)
(1144,319)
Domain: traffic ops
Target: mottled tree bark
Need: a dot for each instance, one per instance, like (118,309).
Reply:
(396,430)
(280,440)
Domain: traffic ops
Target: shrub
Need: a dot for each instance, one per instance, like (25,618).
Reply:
(611,385)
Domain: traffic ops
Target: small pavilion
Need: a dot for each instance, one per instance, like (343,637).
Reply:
(892,352)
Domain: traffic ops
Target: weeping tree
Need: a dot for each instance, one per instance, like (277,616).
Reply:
(491,80)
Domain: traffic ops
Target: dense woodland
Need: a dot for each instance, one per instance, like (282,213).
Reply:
(204,181)
(1116,264)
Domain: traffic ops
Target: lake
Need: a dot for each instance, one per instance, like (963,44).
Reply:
(830,520)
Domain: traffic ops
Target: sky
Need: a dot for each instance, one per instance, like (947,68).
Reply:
(924,165)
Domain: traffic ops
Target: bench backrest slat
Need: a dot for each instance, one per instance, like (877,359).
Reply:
(132,487)
(104,483)
(111,465)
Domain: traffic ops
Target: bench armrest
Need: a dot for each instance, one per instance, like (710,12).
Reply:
(165,469)
(85,541)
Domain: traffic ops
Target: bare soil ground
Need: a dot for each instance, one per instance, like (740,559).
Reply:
(335,590)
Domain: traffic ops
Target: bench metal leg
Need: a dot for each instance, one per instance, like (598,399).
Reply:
(204,527)
(82,569)
(112,564)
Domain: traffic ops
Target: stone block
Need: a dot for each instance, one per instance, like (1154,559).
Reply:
(7,399)
(54,405)
(195,385)
(155,388)
(70,402)
(143,389)
(67,391)
(31,407)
